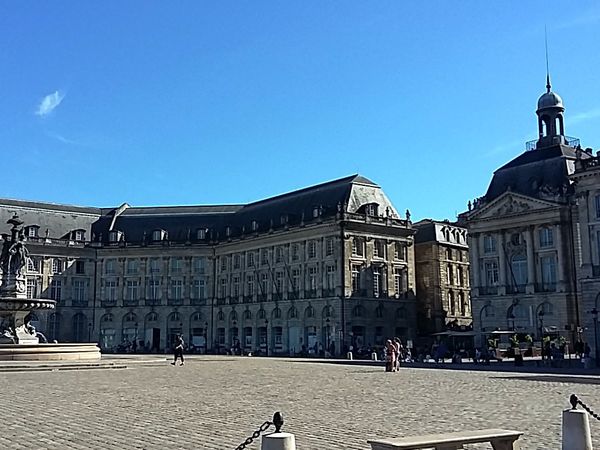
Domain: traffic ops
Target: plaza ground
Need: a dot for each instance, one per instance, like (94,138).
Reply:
(216,402)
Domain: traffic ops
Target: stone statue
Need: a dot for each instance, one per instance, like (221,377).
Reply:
(408,215)
(5,255)
(18,255)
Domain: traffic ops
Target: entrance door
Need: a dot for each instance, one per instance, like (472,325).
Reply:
(294,340)
(155,343)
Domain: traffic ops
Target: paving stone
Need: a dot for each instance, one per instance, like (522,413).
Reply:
(215,403)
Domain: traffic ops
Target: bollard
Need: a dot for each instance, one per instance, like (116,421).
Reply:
(373,356)
(349,356)
(576,430)
(278,441)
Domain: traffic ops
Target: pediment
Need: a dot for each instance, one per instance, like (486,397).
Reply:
(510,204)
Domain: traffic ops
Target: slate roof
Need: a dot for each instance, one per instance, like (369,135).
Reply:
(182,222)
(533,169)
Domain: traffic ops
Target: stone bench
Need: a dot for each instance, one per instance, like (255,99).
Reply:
(500,440)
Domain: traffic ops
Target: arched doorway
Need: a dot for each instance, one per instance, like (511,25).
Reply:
(80,325)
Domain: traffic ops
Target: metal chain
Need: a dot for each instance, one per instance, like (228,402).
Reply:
(575,401)
(264,427)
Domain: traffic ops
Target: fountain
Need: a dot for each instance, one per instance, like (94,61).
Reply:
(19,340)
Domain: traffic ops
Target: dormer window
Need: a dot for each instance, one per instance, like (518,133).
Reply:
(32,231)
(158,235)
(201,234)
(371,209)
(228,231)
(316,211)
(284,219)
(114,236)
(78,235)
(254,225)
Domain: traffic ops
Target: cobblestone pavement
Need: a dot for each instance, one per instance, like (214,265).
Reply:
(215,402)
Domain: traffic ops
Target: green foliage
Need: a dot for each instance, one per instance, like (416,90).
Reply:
(514,341)
(529,339)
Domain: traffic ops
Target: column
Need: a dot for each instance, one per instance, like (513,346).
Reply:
(501,263)
(585,208)
(560,260)
(474,260)
(530,262)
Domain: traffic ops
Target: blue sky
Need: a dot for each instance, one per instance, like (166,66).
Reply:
(159,103)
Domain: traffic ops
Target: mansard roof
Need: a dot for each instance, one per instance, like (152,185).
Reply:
(292,208)
(535,173)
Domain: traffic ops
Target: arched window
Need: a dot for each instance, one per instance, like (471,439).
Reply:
(107,318)
(358,311)
(547,308)
(174,317)
(129,317)
(247,315)
(152,317)
(309,312)
(452,302)
(276,313)
(449,253)
(292,313)
(489,311)
(197,316)
(233,316)
(220,315)
(327,311)
(261,314)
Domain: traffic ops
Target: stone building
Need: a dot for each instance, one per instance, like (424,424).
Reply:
(332,264)
(521,232)
(442,273)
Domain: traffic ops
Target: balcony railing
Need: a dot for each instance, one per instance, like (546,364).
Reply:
(545,287)
(198,301)
(571,142)
(175,302)
(131,302)
(152,301)
(518,289)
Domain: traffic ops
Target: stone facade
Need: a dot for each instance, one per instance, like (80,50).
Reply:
(326,266)
(442,271)
(522,245)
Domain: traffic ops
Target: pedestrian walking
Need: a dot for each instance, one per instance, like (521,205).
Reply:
(390,356)
(178,350)
(398,351)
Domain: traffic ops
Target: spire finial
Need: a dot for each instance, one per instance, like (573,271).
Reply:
(548,85)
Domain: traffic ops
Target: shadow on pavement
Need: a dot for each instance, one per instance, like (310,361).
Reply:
(554,379)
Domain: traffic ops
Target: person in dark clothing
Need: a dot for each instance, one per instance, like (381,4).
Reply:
(178,350)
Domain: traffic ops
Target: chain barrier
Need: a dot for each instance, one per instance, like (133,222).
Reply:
(575,401)
(277,422)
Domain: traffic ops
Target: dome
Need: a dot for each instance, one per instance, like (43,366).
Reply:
(550,100)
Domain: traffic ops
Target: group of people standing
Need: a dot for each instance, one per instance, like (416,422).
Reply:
(395,353)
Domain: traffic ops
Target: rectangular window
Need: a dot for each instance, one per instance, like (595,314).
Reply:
(546,237)
(312,278)
(56,265)
(398,281)
(376,281)
(224,263)
(153,289)
(109,267)
(250,284)
(379,249)
(264,283)
(330,277)
(236,286)
(176,265)
(296,279)
(32,232)
(79,235)
(295,252)
(279,282)
(110,287)
(131,293)
(450,275)
(155,265)
(355,278)
(312,249)
(250,259)
(491,273)
(132,266)
(33,265)
(79,290)
(264,257)
(31,288)
(489,244)
(176,289)
(597,198)
(56,290)
(329,247)
(80,267)
(236,261)
(278,254)
(199,289)
(399,251)
(548,270)
(461,276)
(223,288)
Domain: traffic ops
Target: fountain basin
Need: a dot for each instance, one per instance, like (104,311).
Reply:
(49,352)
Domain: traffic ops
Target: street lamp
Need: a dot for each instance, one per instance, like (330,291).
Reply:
(541,316)
(205,337)
(267,336)
(595,319)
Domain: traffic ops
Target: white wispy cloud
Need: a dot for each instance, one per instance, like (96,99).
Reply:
(49,103)
(583,116)
(61,138)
